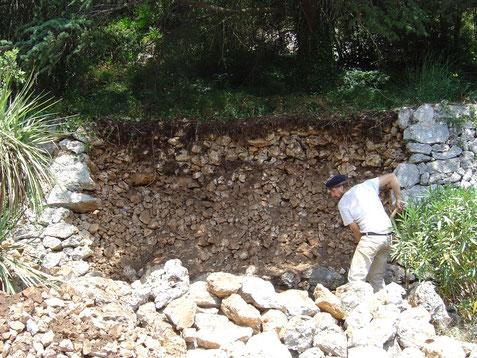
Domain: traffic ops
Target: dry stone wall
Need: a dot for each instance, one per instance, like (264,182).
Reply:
(442,145)
(233,202)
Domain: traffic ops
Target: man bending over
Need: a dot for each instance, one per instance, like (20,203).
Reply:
(361,209)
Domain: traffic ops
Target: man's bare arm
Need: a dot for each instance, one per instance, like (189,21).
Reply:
(392,181)
(356,233)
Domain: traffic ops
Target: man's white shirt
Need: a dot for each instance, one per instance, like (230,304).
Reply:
(362,204)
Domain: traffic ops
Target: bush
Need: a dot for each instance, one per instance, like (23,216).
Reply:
(9,69)
(438,239)
(361,90)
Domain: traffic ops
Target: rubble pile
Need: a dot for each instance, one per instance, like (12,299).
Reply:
(163,314)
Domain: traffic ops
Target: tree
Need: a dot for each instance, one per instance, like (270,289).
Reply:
(307,41)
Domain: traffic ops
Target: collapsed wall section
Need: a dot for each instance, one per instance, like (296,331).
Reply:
(226,200)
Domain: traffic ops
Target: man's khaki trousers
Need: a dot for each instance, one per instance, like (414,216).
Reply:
(369,260)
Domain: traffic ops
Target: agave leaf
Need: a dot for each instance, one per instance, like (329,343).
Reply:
(24,127)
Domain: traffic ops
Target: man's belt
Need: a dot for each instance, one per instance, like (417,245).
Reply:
(375,234)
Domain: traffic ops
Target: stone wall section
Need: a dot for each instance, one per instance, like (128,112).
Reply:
(442,144)
(219,203)
(232,204)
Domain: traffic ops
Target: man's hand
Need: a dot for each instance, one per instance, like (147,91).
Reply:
(399,204)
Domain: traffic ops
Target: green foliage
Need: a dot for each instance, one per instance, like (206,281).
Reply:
(55,46)
(438,239)
(357,80)
(9,69)
(433,81)
(25,128)
(130,58)
(14,271)
(361,90)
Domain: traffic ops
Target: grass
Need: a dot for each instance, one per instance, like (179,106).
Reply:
(434,81)
(124,94)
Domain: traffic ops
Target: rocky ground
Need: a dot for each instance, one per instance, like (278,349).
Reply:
(165,315)
(245,200)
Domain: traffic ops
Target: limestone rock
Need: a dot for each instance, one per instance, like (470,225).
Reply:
(60,230)
(425,295)
(424,115)
(214,331)
(265,345)
(331,340)
(240,312)
(298,303)
(167,282)
(414,328)
(367,352)
(411,352)
(407,174)
(274,320)
(313,352)
(427,134)
(443,347)
(181,312)
(351,294)
(76,202)
(201,296)
(260,293)
(223,284)
(328,302)
(72,173)
(298,333)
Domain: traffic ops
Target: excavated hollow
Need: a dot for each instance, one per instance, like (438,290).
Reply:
(233,196)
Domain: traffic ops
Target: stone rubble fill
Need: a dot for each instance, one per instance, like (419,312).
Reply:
(92,316)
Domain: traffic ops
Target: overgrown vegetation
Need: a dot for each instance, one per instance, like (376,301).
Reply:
(438,241)
(220,60)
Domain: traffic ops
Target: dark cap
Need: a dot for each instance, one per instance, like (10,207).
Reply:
(336,180)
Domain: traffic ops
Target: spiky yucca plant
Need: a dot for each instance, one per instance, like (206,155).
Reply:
(14,271)
(26,127)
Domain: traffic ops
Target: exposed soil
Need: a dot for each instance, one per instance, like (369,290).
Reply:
(243,232)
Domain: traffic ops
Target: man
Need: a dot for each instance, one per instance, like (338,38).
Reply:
(361,209)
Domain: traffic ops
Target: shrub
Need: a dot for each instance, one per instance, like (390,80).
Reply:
(9,69)
(438,239)
(361,89)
